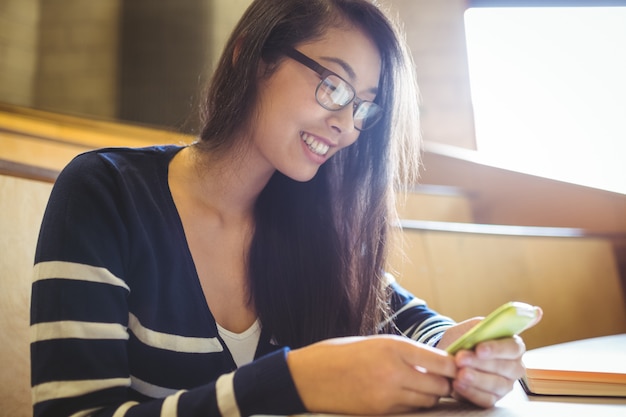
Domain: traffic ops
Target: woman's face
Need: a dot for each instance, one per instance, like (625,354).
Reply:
(293,132)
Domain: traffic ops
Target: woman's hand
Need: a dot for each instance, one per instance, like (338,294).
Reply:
(370,375)
(487,373)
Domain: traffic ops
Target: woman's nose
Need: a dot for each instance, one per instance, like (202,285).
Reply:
(343,120)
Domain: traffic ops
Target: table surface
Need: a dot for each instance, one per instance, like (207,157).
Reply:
(518,404)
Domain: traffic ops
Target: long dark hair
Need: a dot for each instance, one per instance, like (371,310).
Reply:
(318,255)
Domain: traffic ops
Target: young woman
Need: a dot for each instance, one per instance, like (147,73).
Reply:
(245,274)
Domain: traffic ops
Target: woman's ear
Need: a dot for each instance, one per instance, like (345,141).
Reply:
(237,51)
(263,67)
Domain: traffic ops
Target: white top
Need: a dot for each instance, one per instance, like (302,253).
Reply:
(242,346)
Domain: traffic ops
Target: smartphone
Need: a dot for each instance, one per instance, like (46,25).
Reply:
(507,320)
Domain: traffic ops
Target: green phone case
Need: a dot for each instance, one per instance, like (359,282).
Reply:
(507,320)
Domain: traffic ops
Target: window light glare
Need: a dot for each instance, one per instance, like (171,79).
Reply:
(549,91)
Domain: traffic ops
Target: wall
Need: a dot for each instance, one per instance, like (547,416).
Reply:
(83,69)
(18,50)
(436,37)
(164,53)
(225,14)
(435,32)
(77,69)
(501,196)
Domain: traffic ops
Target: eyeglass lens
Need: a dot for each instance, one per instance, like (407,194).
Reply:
(333,93)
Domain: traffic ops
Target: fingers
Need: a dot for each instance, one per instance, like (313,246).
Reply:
(508,368)
(509,348)
(425,377)
(411,400)
(454,332)
(424,374)
(485,399)
(422,357)
(418,380)
(481,388)
(488,373)
(417,388)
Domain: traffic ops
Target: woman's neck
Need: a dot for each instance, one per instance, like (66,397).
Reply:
(226,184)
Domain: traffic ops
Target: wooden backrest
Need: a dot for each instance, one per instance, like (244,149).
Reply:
(435,203)
(22,203)
(38,144)
(464,273)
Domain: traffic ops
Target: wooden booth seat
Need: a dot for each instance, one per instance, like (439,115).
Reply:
(22,203)
(34,147)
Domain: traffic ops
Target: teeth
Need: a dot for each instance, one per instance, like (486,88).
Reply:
(314,145)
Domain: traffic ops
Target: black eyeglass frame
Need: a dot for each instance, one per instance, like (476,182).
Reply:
(323,73)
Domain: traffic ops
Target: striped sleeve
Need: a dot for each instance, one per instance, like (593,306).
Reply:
(77,343)
(413,318)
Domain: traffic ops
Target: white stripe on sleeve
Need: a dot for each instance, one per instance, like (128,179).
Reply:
(75,271)
(151,390)
(66,389)
(225,391)
(77,330)
(86,413)
(170,405)
(121,410)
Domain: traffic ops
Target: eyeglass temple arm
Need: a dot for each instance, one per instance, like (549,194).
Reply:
(306,61)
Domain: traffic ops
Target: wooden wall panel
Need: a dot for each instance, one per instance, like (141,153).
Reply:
(575,280)
(443,206)
(410,264)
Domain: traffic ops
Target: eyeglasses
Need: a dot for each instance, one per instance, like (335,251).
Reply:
(334,93)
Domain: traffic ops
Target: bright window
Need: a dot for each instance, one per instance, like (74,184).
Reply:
(549,91)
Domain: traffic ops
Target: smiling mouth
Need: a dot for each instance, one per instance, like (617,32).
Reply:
(316,146)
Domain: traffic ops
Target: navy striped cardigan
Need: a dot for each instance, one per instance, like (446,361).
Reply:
(119,322)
